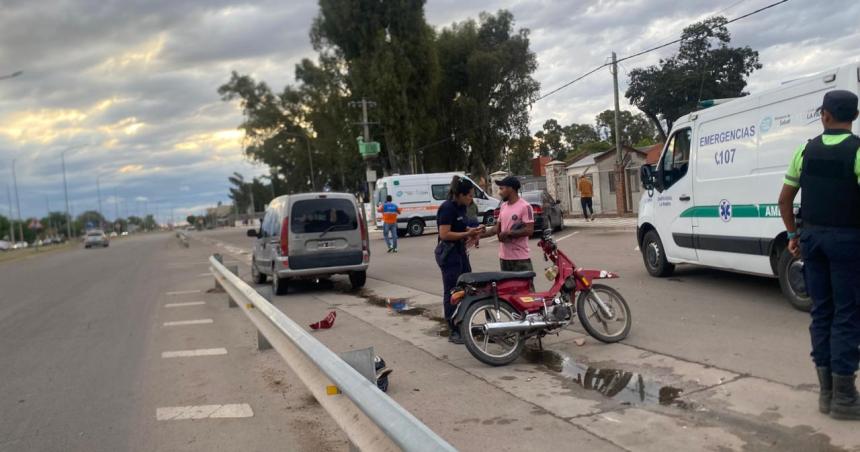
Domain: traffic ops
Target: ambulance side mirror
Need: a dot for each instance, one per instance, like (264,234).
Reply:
(648,177)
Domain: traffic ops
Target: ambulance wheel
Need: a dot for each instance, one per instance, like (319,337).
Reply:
(654,256)
(415,227)
(791,281)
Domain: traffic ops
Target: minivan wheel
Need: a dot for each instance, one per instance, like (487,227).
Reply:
(279,285)
(357,279)
(258,276)
(790,270)
(654,256)
(415,227)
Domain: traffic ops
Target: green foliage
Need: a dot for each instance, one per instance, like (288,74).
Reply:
(4,229)
(705,67)
(243,192)
(191,219)
(635,129)
(90,216)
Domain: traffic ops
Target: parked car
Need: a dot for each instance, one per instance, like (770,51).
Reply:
(20,245)
(310,235)
(5,245)
(113,234)
(124,233)
(96,237)
(547,211)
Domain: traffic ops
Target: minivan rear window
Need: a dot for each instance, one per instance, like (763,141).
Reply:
(320,215)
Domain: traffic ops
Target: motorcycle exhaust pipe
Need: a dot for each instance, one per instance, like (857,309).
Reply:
(516,327)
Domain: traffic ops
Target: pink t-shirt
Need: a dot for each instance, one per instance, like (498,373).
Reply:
(515,216)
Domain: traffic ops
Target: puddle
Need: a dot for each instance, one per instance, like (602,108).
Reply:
(623,386)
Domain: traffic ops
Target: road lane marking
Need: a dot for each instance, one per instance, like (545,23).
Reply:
(193,353)
(182,292)
(230,410)
(636,249)
(182,305)
(188,322)
(567,236)
(204,274)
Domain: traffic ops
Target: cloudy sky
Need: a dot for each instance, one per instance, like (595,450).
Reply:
(128,88)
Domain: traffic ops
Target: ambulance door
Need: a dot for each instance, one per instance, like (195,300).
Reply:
(675,198)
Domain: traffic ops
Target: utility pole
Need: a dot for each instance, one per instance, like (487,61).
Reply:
(620,196)
(364,103)
(17,203)
(66,195)
(48,208)
(11,218)
(115,205)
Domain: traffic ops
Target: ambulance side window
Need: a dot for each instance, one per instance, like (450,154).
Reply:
(676,159)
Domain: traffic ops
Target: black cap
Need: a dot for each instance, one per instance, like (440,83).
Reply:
(841,104)
(509,181)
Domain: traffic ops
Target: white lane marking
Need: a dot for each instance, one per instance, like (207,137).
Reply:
(567,236)
(188,322)
(192,353)
(636,249)
(182,292)
(182,305)
(200,275)
(230,410)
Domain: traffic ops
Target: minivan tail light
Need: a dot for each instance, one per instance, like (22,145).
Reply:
(537,209)
(365,253)
(285,237)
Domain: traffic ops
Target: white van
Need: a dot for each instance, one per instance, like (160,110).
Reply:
(711,199)
(420,195)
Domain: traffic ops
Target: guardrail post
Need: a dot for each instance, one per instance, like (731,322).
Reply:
(262,343)
(234,268)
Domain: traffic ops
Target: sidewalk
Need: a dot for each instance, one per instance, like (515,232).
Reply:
(602,223)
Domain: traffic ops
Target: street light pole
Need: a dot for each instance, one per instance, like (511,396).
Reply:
(17,203)
(99,194)
(11,218)
(66,195)
(310,156)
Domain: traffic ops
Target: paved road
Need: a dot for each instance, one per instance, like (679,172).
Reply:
(81,337)
(728,320)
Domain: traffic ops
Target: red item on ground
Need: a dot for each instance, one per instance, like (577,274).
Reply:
(325,323)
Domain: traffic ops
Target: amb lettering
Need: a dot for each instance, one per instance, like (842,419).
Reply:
(728,135)
(771,211)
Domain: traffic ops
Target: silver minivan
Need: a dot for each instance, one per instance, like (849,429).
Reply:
(310,235)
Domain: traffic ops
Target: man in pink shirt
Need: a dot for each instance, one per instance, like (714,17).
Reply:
(515,225)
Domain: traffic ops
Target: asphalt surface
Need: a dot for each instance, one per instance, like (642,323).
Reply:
(81,337)
(728,320)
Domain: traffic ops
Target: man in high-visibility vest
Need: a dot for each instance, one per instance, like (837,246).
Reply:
(827,170)
(389,223)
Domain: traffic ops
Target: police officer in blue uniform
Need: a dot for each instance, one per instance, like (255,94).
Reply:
(450,251)
(827,170)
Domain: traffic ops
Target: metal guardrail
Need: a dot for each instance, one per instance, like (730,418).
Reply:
(183,238)
(370,418)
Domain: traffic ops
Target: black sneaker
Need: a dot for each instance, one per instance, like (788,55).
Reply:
(455,338)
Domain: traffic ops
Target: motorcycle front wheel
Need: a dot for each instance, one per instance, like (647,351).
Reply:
(498,349)
(605,327)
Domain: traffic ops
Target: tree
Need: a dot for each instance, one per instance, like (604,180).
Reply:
(705,67)
(135,220)
(389,51)
(91,219)
(485,92)
(520,154)
(551,140)
(4,228)
(191,219)
(635,129)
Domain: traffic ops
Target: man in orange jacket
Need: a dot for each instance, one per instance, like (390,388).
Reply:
(389,212)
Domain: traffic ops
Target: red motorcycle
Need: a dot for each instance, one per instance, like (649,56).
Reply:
(497,311)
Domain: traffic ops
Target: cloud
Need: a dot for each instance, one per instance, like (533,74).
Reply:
(134,82)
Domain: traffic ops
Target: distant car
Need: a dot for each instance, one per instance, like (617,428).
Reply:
(124,233)
(547,211)
(5,246)
(113,234)
(20,245)
(310,235)
(96,237)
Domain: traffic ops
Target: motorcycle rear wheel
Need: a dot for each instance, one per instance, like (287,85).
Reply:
(498,350)
(598,325)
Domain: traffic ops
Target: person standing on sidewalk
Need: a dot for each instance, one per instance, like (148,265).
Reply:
(827,170)
(450,252)
(389,212)
(516,224)
(586,192)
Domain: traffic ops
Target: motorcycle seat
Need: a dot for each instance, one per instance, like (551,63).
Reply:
(488,277)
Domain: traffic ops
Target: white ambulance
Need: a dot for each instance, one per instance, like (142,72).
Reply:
(420,195)
(711,199)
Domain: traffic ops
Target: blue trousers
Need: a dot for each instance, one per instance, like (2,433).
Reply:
(454,264)
(831,269)
(390,229)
